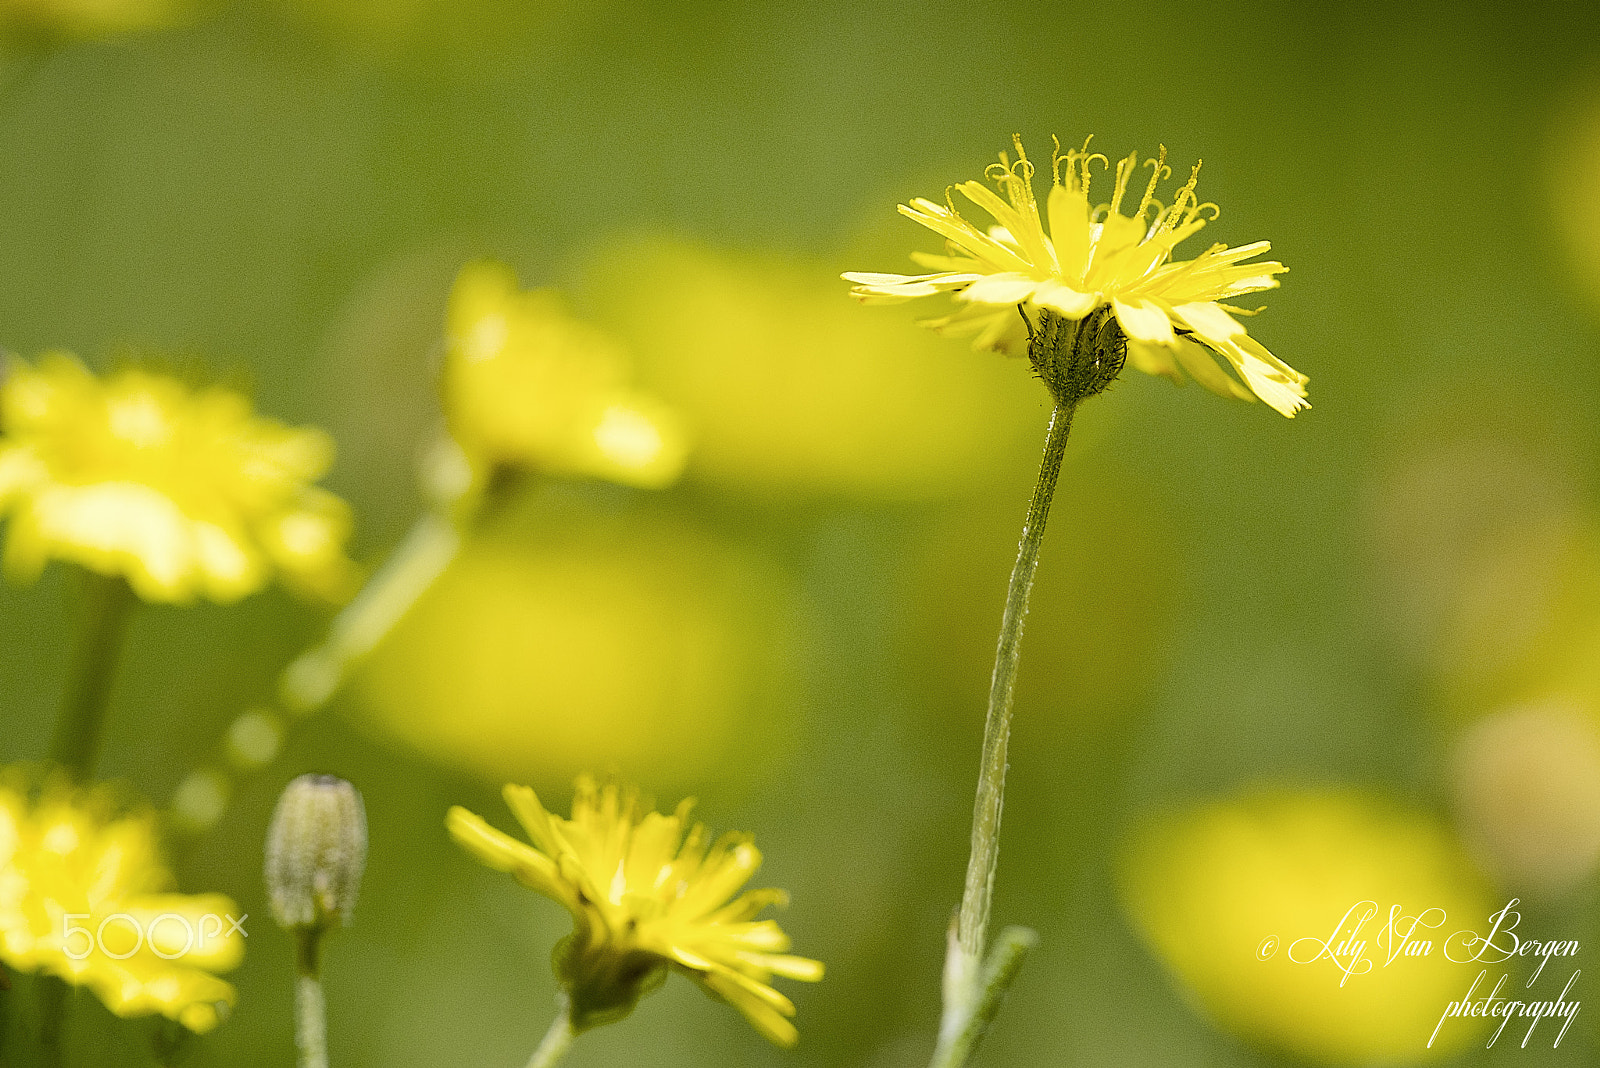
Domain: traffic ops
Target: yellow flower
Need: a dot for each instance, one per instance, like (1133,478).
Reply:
(527,385)
(183,492)
(1094,256)
(41,22)
(1232,896)
(645,896)
(791,390)
(563,639)
(84,896)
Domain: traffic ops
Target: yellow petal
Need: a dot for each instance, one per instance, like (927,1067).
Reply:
(1009,288)
(1203,368)
(1153,360)
(1144,320)
(504,853)
(1209,321)
(953,228)
(1066,300)
(1069,230)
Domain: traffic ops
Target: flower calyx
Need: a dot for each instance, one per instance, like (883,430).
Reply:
(1076,358)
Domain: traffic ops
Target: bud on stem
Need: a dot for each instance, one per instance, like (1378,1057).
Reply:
(316,850)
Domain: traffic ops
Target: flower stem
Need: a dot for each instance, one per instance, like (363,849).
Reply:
(310,1007)
(998,972)
(986,811)
(5,1012)
(972,990)
(107,605)
(558,1039)
(316,675)
(53,1003)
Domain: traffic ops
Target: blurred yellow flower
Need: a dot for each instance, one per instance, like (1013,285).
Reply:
(30,20)
(1094,256)
(1226,893)
(646,892)
(1527,787)
(1572,167)
(527,385)
(183,492)
(84,896)
(563,639)
(791,391)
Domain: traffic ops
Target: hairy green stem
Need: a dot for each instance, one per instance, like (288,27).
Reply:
(558,1039)
(1076,359)
(310,1007)
(107,603)
(973,920)
(1005,960)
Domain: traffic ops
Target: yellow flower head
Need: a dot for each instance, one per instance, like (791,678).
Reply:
(183,492)
(527,385)
(645,896)
(1092,257)
(84,896)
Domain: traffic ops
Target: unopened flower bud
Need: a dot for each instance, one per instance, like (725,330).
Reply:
(316,850)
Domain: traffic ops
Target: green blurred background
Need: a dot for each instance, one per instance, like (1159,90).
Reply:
(1228,601)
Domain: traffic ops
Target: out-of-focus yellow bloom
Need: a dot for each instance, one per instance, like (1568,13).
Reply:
(183,492)
(1572,167)
(527,385)
(31,20)
(456,35)
(563,640)
(791,391)
(1095,256)
(646,892)
(1478,538)
(1224,894)
(84,896)
(1527,785)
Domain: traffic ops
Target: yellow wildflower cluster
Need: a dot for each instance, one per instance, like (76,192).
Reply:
(527,385)
(646,892)
(84,896)
(183,492)
(1092,257)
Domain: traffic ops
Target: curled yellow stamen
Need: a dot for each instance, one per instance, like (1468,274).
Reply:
(1158,171)
(1185,204)
(1124,172)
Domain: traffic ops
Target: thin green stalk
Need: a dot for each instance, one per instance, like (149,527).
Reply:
(316,675)
(998,972)
(169,1042)
(310,1007)
(53,1002)
(5,1012)
(107,604)
(558,1039)
(964,979)
(973,920)
(1076,358)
